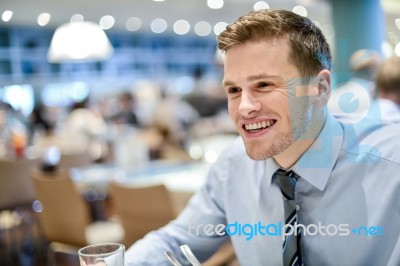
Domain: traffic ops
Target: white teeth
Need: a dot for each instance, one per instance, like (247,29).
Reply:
(259,125)
(264,124)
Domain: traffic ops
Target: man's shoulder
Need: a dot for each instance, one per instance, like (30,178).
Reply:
(373,138)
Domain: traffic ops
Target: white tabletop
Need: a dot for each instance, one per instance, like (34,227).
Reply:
(187,177)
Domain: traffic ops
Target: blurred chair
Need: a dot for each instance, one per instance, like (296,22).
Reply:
(141,209)
(180,200)
(16,187)
(69,160)
(60,254)
(65,217)
(16,196)
(147,208)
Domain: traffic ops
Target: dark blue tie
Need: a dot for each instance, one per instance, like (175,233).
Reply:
(291,245)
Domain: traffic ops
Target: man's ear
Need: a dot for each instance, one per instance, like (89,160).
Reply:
(323,86)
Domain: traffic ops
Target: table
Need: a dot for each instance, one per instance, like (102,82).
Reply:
(182,179)
(177,177)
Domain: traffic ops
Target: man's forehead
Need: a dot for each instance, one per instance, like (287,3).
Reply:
(255,63)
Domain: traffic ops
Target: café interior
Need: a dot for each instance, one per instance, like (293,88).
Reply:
(111,113)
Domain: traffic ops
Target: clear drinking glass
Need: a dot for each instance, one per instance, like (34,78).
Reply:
(108,254)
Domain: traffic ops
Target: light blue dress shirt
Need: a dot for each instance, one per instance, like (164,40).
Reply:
(348,200)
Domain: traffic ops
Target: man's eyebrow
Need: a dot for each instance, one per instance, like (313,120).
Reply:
(227,83)
(261,76)
(250,78)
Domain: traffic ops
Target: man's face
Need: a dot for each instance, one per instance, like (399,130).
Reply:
(265,98)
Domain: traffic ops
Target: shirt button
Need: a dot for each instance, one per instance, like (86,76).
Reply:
(297,207)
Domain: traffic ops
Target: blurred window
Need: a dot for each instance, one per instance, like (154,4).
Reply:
(63,94)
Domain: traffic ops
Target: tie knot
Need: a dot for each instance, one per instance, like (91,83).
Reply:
(287,182)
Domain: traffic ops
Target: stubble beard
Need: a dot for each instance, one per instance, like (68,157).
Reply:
(256,150)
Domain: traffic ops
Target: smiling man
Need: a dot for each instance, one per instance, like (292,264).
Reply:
(298,187)
(268,101)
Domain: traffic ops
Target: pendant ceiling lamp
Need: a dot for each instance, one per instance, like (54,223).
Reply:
(80,41)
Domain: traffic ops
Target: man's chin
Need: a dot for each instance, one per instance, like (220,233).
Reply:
(258,158)
(258,155)
(262,151)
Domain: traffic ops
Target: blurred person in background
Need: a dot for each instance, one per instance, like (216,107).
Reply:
(364,64)
(206,97)
(172,119)
(83,127)
(126,110)
(388,90)
(13,132)
(38,121)
(47,138)
(5,134)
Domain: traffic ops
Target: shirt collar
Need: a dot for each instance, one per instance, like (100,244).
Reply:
(316,164)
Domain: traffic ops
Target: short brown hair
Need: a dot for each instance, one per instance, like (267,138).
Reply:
(388,77)
(309,52)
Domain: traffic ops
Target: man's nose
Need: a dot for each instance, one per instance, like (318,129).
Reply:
(248,104)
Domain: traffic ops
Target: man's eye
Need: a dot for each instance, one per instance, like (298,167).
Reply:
(233,90)
(263,84)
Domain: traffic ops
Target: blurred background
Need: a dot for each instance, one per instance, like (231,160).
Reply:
(164,46)
(128,92)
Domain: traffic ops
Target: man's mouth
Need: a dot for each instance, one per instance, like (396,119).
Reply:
(258,126)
